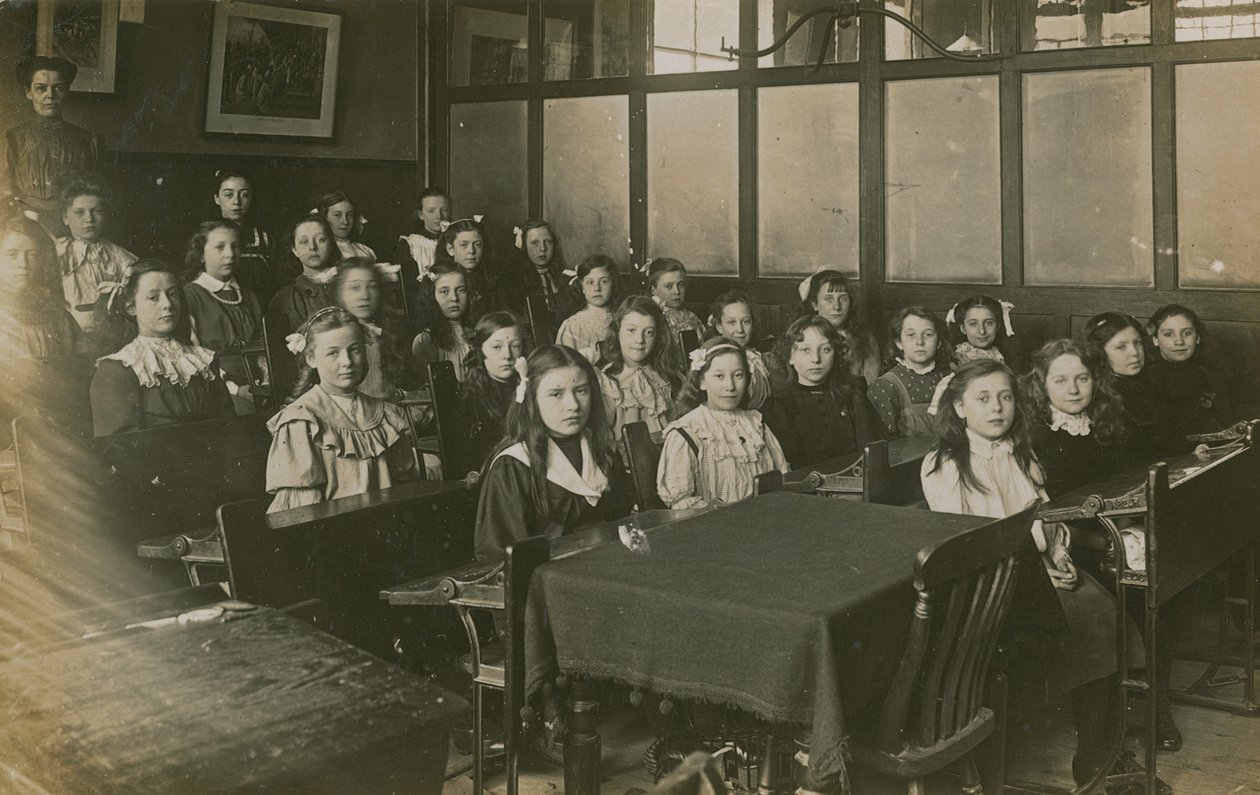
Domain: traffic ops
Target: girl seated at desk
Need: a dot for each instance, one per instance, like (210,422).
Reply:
(1192,390)
(333,441)
(551,473)
(715,450)
(637,365)
(983,464)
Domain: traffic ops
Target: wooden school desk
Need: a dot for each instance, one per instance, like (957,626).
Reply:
(1197,511)
(790,607)
(258,702)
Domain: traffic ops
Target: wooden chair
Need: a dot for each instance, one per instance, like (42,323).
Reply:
(282,368)
(643,454)
(688,341)
(935,711)
(501,588)
(450,420)
(542,320)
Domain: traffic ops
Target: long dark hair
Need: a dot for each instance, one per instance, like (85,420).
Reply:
(665,357)
(326,319)
(479,387)
(117,327)
(839,380)
(1101,328)
(195,253)
(957,335)
(325,202)
(388,317)
(691,395)
(1104,410)
(591,263)
(1204,351)
(951,430)
(943,349)
(431,315)
(41,298)
(525,423)
(855,325)
(557,264)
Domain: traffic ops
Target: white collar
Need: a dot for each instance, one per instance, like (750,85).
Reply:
(590,484)
(213,285)
(986,448)
(1074,424)
(917,368)
(321,277)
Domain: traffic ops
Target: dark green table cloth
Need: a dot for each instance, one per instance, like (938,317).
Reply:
(785,605)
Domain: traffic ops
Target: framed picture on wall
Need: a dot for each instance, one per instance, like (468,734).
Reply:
(273,70)
(84,32)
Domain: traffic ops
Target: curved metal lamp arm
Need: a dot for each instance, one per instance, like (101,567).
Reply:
(843,14)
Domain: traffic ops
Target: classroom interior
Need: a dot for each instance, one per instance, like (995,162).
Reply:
(1074,157)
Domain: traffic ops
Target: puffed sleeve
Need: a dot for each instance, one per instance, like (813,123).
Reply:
(115,394)
(941,488)
(424,350)
(295,470)
(676,473)
(505,509)
(776,451)
(758,381)
(778,421)
(883,396)
(565,335)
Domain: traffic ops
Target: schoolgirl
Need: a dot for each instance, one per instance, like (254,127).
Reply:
(918,358)
(309,291)
(717,447)
(464,244)
(551,473)
(333,441)
(444,302)
(596,281)
(980,328)
(223,316)
(87,259)
(1193,393)
(346,223)
(490,380)
(824,413)
(234,197)
(667,283)
(731,317)
(34,323)
(156,378)
(638,368)
(416,251)
(359,289)
(540,267)
(829,294)
(983,464)
(1120,341)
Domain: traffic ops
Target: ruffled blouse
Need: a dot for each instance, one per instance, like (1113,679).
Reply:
(328,446)
(151,358)
(26,335)
(426,350)
(84,266)
(636,394)
(350,249)
(730,449)
(682,319)
(584,329)
(966,352)
(153,382)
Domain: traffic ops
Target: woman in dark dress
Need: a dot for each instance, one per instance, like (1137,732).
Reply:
(156,378)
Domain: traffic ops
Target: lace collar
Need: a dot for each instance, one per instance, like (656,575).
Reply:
(151,358)
(1074,424)
(921,369)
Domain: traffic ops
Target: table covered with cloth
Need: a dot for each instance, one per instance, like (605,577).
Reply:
(791,607)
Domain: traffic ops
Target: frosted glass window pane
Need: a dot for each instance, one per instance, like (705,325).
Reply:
(943,181)
(774,17)
(1065,24)
(962,26)
(1087,178)
(1218,167)
(807,179)
(489,42)
(687,36)
(693,179)
(586,182)
(1197,20)
(586,39)
(488,175)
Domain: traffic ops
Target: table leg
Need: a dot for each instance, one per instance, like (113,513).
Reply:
(582,746)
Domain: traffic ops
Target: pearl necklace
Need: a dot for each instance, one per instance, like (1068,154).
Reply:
(228,301)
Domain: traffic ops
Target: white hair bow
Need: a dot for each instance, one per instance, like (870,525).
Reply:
(938,393)
(296,343)
(1007,306)
(389,270)
(522,370)
(807,282)
(519,239)
(572,274)
(697,359)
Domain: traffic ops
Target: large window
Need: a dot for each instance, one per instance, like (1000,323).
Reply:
(482,134)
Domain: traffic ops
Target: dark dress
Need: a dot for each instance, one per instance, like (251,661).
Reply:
(224,328)
(253,267)
(1070,462)
(120,404)
(813,426)
(526,280)
(486,404)
(1191,397)
(43,151)
(1150,438)
(298,300)
(507,511)
(486,292)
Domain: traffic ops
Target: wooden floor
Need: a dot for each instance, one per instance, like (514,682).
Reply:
(1221,754)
